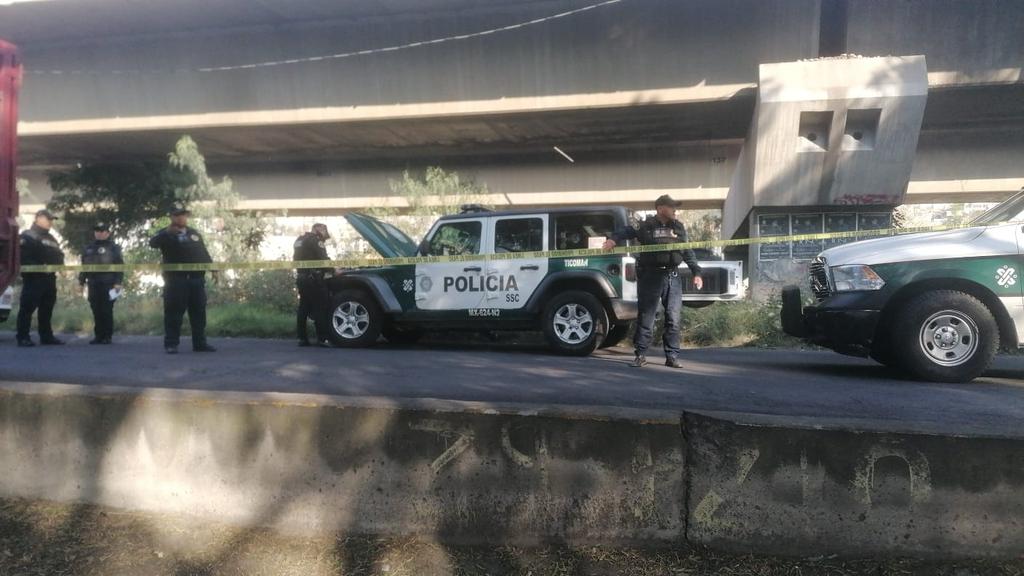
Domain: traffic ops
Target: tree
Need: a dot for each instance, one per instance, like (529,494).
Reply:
(231,235)
(134,198)
(437,192)
(21,185)
(127,196)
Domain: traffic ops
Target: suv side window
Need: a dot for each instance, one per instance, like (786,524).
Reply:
(456,239)
(518,235)
(572,231)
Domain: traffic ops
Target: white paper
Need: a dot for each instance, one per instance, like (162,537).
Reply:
(595,242)
(114,294)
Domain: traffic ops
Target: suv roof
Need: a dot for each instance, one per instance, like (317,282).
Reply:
(621,210)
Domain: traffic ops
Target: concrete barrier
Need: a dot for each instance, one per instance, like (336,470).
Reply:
(765,484)
(464,473)
(471,472)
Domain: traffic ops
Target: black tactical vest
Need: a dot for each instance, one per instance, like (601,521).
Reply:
(652,231)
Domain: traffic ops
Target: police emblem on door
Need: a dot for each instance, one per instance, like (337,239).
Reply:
(1006,276)
(426,284)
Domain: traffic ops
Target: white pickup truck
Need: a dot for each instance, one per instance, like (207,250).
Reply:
(937,305)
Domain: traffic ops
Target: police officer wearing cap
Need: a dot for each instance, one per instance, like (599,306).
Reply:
(312,285)
(658,279)
(39,289)
(183,291)
(102,251)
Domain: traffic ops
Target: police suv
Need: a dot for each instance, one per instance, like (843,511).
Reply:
(936,305)
(579,303)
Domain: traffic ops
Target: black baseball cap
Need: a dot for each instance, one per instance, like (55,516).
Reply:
(46,214)
(179,210)
(666,200)
(101,227)
(319,226)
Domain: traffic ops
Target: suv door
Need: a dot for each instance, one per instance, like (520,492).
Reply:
(510,283)
(457,285)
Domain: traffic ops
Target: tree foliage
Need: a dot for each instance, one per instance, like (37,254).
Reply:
(127,196)
(230,234)
(436,193)
(134,198)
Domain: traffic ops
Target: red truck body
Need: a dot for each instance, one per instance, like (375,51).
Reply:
(10,82)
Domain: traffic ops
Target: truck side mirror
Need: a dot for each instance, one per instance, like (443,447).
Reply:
(424,248)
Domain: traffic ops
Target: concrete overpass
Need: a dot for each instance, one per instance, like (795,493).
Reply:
(646,96)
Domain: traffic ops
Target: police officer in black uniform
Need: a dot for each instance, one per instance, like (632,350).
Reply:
(39,289)
(183,291)
(102,250)
(658,279)
(312,285)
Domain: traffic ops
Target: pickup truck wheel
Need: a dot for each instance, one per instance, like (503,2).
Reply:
(575,323)
(946,336)
(616,334)
(356,319)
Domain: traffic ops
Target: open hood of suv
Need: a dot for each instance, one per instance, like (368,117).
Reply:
(389,241)
(912,247)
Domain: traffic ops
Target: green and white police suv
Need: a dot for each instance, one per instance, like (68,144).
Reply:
(937,305)
(579,303)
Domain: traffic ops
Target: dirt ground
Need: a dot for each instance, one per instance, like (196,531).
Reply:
(45,538)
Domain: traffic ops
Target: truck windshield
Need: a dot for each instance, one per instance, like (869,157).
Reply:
(1010,211)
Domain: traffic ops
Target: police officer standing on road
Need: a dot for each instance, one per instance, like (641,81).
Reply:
(183,291)
(312,285)
(658,278)
(39,289)
(102,250)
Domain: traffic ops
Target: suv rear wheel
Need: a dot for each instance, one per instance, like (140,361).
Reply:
(946,336)
(575,323)
(356,319)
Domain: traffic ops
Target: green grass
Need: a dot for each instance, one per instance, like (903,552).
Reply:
(145,315)
(742,323)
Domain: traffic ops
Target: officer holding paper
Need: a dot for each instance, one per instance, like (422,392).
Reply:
(103,287)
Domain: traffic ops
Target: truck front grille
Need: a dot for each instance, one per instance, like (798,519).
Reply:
(819,279)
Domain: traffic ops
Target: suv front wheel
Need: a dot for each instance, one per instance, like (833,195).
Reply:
(946,336)
(575,323)
(356,319)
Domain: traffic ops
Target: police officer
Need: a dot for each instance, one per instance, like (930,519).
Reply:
(658,278)
(102,250)
(312,285)
(183,291)
(39,289)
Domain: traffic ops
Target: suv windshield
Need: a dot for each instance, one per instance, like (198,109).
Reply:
(1010,211)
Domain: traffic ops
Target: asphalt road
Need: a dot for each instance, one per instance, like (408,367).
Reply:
(773,382)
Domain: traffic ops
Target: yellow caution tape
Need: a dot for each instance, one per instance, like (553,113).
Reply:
(408,261)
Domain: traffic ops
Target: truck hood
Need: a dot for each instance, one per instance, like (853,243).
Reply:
(389,241)
(963,243)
